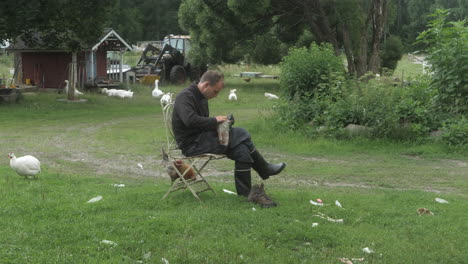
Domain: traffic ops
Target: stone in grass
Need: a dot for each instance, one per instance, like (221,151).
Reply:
(357,130)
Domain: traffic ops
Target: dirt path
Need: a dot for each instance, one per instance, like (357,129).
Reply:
(76,150)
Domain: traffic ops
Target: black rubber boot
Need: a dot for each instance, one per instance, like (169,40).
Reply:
(263,168)
(242,178)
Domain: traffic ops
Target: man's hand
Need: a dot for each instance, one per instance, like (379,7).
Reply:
(220,119)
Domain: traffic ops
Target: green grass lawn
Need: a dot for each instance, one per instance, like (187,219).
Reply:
(86,148)
(406,69)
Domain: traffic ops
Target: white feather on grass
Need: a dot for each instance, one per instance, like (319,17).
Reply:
(271,96)
(227,191)
(338,204)
(95,199)
(340,221)
(315,203)
(108,242)
(140,165)
(440,200)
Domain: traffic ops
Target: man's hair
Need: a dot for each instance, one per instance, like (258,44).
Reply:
(212,77)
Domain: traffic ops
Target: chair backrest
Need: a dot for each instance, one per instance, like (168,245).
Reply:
(167,109)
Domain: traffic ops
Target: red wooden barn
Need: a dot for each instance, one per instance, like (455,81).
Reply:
(49,67)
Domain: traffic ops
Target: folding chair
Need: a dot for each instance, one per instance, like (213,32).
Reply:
(197,185)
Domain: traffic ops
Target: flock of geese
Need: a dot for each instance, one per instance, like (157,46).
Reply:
(157,93)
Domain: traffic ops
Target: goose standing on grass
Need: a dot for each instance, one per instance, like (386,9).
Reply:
(25,166)
(232,95)
(271,96)
(77,93)
(156,92)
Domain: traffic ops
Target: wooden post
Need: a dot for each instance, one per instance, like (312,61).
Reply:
(92,67)
(72,78)
(120,67)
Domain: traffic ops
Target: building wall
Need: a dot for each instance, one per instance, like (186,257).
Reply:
(45,69)
(50,69)
(101,62)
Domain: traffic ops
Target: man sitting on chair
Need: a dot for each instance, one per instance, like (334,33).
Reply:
(196,133)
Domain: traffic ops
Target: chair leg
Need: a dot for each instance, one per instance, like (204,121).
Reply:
(198,171)
(170,189)
(188,184)
(209,186)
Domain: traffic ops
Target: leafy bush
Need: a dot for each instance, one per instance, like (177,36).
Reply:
(456,132)
(448,45)
(392,53)
(369,105)
(305,72)
(388,111)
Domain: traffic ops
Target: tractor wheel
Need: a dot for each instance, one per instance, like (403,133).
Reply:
(178,75)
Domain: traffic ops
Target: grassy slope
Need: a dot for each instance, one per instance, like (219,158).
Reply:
(85,148)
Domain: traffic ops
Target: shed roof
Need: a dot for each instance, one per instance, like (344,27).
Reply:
(111,34)
(108,34)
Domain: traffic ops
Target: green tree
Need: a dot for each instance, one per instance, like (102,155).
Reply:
(127,19)
(71,24)
(412,17)
(218,26)
(159,18)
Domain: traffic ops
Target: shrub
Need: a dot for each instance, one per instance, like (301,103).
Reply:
(369,105)
(456,132)
(305,72)
(448,43)
(392,53)
(394,112)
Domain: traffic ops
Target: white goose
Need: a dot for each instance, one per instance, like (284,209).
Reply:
(123,94)
(271,96)
(166,99)
(232,95)
(156,92)
(76,91)
(25,166)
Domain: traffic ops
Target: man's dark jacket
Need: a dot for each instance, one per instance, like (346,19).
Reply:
(196,133)
(191,117)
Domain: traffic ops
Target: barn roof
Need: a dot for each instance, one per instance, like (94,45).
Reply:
(109,35)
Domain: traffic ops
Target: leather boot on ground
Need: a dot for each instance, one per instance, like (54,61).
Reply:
(257,195)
